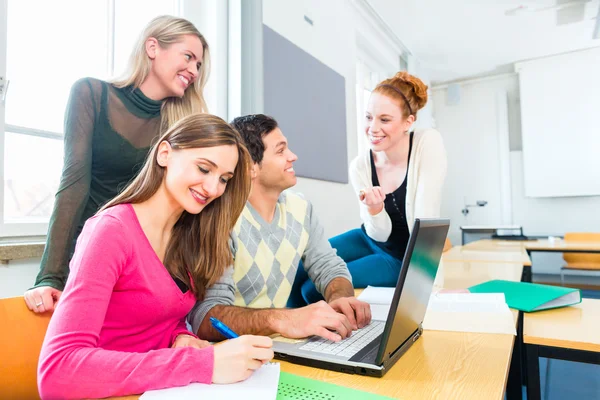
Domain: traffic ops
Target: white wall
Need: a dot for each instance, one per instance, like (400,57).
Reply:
(18,276)
(471,135)
(426,114)
(332,39)
(473,169)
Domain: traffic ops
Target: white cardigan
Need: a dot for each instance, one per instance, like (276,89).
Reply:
(426,175)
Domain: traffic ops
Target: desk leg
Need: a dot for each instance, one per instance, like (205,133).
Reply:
(514,389)
(525,277)
(527,274)
(533,372)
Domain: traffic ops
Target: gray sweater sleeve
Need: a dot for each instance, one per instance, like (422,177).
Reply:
(221,293)
(321,262)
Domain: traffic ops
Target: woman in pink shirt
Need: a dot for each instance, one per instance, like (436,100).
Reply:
(139,266)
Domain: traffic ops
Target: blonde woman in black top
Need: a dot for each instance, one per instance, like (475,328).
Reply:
(109,129)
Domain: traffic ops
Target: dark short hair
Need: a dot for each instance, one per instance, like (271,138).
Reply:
(253,129)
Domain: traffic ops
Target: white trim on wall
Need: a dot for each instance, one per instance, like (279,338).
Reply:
(252,57)
(234,60)
(504,156)
(211,17)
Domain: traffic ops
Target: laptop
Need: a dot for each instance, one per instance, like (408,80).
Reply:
(375,348)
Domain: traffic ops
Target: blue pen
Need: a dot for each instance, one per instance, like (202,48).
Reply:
(223,329)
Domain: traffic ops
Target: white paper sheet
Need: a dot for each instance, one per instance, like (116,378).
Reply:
(380,312)
(377,295)
(262,385)
(469,312)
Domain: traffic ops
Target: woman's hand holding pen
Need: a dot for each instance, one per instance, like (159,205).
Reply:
(373,198)
(237,359)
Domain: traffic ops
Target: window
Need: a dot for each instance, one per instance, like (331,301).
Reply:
(48,46)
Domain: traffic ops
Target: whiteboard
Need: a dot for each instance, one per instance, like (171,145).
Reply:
(560,117)
(308,100)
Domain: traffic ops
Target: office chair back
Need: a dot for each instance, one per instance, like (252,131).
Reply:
(21,338)
(587,261)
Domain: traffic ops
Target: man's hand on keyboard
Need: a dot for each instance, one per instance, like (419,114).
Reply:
(315,319)
(358,312)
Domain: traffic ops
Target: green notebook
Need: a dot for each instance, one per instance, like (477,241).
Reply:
(530,297)
(297,387)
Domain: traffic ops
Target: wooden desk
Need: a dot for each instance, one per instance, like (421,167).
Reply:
(508,248)
(562,246)
(542,245)
(464,274)
(495,245)
(463,253)
(569,333)
(442,365)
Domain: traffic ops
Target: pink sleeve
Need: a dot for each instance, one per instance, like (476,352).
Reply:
(181,329)
(71,364)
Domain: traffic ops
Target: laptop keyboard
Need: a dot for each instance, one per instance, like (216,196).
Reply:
(349,346)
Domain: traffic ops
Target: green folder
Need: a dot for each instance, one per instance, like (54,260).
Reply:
(297,387)
(530,297)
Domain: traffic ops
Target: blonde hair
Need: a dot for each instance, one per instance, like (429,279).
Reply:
(409,90)
(198,251)
(168,30)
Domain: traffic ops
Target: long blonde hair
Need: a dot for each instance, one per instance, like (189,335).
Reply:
(168,30)
(198,251)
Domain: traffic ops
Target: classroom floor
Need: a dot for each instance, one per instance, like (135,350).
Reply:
(571,380)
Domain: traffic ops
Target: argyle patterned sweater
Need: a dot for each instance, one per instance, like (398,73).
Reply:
(267,255)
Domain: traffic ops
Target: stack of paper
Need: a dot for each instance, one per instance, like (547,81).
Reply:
(469,312)
(262,385)
(380,299)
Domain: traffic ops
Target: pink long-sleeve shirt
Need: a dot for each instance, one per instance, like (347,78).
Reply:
(111,332)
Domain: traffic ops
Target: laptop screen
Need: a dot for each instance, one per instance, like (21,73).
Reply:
(415,283)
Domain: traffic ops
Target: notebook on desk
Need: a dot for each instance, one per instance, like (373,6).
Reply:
(530,297)
(262,385)
(372,350)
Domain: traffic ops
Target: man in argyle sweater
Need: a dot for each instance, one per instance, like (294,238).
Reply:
(274,233)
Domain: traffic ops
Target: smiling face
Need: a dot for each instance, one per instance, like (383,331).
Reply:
(384,123)
(196,177)
(276,170)
(176,67)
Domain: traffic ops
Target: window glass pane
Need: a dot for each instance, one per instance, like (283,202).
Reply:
(51,44)
(131,17)
(32,169)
